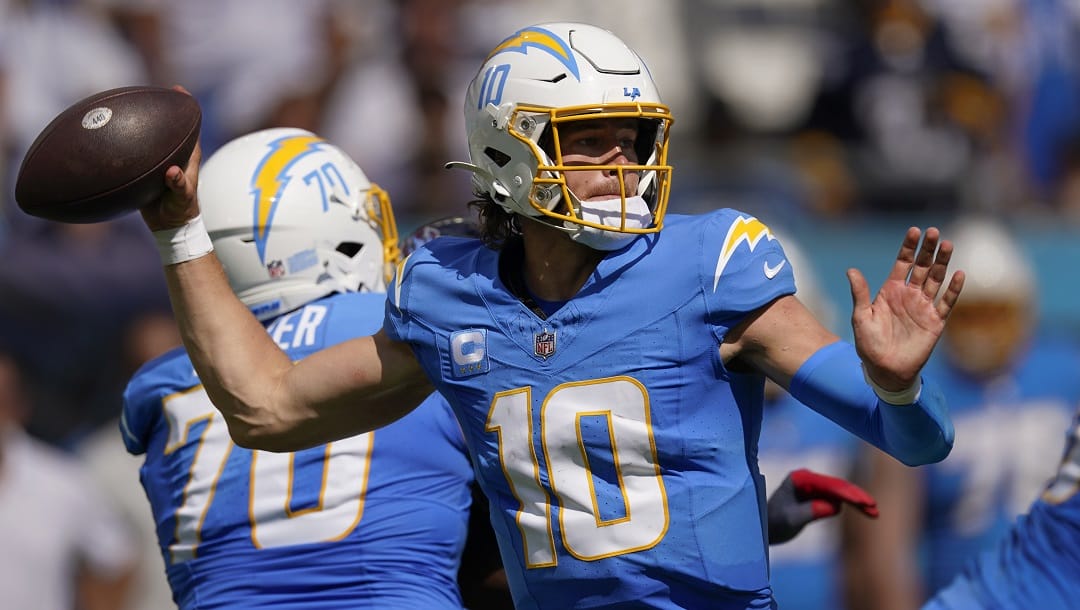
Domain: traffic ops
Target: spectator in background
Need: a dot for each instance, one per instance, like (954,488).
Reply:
(1011,394)
(759,67)
(116,472)
(407,75)
(4,141)
(885,98)
(62,545)
(67,321)
(251,63)
(53,53)
(320,65)
(64,321)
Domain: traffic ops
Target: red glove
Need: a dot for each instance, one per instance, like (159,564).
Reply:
(807,496)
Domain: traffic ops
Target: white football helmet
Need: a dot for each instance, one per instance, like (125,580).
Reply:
(995,314)
(293,219)
(538,80)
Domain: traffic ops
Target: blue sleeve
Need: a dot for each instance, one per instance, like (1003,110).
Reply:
(831,382)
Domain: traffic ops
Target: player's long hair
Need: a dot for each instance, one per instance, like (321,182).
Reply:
(496,224)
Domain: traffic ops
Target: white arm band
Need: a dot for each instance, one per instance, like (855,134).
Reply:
(906,396)
(184,243)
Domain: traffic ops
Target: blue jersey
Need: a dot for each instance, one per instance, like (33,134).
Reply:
(372,521)
(1008,436)
(618,453)
(805,572)
(1037,564)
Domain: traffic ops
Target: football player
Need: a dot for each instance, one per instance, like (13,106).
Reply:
(1012,392)
(376,520)
(607,375)
(1037,563)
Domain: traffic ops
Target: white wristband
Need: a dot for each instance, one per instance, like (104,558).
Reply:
(184,243)
(906,396)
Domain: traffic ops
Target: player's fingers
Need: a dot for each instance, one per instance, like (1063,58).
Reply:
(821,508)
(906,257)
(951,295)
(834,490)
(936,276)
(174,179)
(924,260)
(814,484)
(860,292)
(194,161)
(850,493)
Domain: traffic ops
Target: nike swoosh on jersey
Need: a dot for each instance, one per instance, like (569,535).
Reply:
(770,272)
(745,229)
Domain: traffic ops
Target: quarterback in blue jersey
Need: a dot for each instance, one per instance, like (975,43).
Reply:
(376,520)
(1037,563)
(607,374)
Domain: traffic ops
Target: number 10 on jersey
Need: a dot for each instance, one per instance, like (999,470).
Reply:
(629,514)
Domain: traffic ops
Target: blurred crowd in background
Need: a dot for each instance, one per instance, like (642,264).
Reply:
(840,122)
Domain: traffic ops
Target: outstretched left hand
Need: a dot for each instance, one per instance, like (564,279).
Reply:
(807,496)
(895,334)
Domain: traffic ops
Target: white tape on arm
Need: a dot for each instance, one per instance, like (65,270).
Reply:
(184,243)
(906,396)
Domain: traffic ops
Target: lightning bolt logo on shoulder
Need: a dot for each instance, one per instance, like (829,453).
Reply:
(745,229)
(270,178)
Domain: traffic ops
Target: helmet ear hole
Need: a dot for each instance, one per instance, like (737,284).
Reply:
(497,156)
(349,248)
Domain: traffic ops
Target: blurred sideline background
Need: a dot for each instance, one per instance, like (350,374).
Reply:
(837,122)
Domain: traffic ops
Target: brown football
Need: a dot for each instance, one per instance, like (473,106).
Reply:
(107,154)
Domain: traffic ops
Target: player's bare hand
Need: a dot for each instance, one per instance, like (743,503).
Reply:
(179,203)
(896,332)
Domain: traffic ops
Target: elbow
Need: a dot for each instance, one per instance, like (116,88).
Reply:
(261,435)
(254,423)
(922,433)
(930,453)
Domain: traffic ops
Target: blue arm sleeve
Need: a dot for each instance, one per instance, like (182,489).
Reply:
(831,382)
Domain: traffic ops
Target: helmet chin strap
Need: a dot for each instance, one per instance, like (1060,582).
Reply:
(550,223)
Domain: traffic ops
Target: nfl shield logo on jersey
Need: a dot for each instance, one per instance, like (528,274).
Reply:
(544,345)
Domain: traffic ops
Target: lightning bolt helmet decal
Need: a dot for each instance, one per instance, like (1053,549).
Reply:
(539,38)
(270,178)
